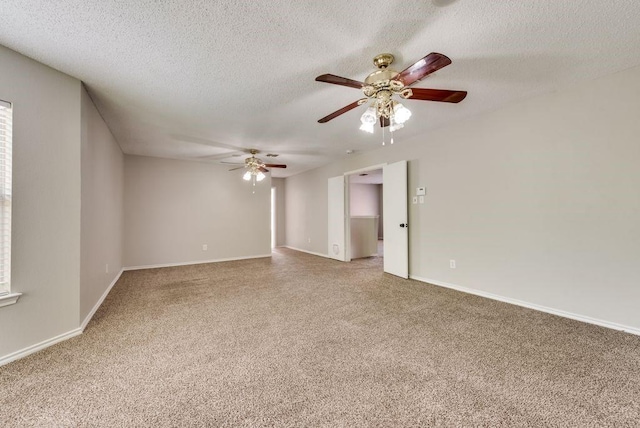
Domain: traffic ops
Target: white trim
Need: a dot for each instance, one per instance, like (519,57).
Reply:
(99,302)
(558,312)
(49,342)
(39,346)
(75,332)
(308,252)
(9,299)
(365,169)
(199,262)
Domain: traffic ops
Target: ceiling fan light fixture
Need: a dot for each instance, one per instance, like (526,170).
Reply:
(369,117)
(385,84)
(247,176)
(394,125)
(367,127)
(260,176)
(401,114)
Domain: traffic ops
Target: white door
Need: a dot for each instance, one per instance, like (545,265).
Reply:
(336,216)
(396,233)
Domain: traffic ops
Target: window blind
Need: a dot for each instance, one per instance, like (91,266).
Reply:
(5,195)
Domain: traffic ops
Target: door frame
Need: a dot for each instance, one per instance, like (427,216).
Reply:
(347,204)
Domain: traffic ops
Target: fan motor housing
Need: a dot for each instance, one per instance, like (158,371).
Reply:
(380,76)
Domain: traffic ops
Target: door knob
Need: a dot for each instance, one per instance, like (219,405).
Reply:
(404,225)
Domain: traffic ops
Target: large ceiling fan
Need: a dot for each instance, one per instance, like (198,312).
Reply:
(382,85)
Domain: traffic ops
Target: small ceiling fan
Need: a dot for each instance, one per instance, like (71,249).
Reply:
(380,87)
(255,167)
(231,151)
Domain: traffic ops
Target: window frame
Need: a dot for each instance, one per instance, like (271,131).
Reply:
(7,297)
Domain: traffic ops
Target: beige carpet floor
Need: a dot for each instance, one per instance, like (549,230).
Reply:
(299,340)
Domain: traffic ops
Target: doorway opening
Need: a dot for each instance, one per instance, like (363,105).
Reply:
(395,225)
(273,218)
(365,230)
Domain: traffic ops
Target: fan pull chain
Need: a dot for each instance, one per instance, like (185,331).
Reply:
(383,135)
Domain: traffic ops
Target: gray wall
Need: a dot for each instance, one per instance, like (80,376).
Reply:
(306,208)
(46,202)
(102,215)
(537,201)
(173,207)
(364,199)
(281,215)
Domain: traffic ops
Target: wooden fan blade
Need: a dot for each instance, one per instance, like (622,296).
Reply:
(233,169)
(337,80)
(437,95)
(263,169)
(427,65)
(232,163)
(384,122)
(339,112)
(275,165)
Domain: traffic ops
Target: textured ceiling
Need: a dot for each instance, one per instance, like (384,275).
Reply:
(197,78)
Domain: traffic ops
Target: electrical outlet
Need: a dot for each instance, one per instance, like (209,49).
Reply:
(452,264)
(205,247)
(415,200)
(106,268)
(309,240)
(421,199)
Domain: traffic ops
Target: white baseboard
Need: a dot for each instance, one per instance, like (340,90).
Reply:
(75,332)
(558,312)
(199,262)
(68,335)
(99,302)
(39,346)
(307,251)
